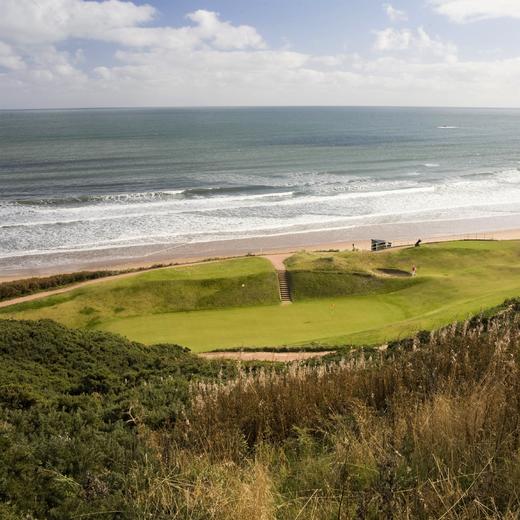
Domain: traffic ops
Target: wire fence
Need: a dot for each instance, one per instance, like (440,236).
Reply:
(433,240)
(466,236)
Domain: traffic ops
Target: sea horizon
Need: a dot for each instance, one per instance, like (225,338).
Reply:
(246,106)
(75,181)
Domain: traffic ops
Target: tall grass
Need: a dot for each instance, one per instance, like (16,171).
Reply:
(425,429)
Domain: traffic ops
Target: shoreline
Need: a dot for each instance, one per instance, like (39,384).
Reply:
(145,257)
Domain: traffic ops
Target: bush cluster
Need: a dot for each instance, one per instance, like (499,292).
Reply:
(26,286)
(16,288)
(73,406)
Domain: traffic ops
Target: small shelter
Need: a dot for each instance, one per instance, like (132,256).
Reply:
(378,245)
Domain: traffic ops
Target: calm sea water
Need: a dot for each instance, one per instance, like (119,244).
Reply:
(100,179)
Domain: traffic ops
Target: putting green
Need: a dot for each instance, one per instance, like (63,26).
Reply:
(455,280)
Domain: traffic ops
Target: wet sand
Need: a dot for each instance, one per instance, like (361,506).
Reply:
(500,228)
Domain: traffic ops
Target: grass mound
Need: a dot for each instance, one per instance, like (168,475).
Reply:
(230,283)
(325,275)
(327,284)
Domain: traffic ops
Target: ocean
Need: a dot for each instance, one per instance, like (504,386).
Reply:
(77,181)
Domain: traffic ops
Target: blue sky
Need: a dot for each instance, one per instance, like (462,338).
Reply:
(69,53)
(326,26)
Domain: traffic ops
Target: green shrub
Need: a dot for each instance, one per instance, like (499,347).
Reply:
(17,396)
(17,288)
(73,405)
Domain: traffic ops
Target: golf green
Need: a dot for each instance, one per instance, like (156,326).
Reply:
(340,298)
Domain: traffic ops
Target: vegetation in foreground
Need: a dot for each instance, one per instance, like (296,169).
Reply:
(92,425)
(69,437)
(340,298)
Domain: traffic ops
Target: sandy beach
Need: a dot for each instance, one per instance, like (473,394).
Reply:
(506,228)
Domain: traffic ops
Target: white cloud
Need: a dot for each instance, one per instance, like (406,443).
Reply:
(9,58)
(160,77)
(223,35)
(462,11)
(31,33)
(49,21)
(210,61)
(417,42)
(395,15)
(393,39)
(208,30)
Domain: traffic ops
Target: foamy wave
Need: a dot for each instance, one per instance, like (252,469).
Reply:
(146,196)
(431,165)
(386,193)
(447,127)
(280,194)
(230,213)
(360,195)
(231,193)
(511,175)
(487,180)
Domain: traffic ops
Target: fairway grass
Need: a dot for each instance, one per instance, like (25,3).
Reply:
(356,320)
(455,280)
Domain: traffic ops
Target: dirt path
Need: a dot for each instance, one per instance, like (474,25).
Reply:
(44,294)
(284,357)
(278,259)
(284,288)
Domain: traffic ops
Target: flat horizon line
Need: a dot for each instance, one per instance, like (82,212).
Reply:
(228,107)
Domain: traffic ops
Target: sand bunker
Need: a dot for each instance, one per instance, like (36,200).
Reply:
(394,272)
(283,357)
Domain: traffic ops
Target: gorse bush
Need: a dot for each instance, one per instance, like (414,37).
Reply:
(27,286)
(73,404)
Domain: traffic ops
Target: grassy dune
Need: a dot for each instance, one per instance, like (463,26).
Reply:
(340,298)
(230,283)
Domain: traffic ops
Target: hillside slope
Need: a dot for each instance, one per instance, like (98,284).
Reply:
(95,426)
(72,405)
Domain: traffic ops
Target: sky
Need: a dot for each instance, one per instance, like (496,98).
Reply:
(121,53)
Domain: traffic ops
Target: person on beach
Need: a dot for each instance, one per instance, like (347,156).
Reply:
(414,270)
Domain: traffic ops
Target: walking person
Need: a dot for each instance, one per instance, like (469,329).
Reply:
(414,270)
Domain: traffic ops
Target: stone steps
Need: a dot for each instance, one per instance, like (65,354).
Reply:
(285,289)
